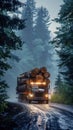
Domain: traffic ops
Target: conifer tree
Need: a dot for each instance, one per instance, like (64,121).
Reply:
(64,40)
(28,13)
(42,33)
(8,40)
(42,24)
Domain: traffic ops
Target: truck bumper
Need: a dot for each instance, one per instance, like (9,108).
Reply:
(39,99)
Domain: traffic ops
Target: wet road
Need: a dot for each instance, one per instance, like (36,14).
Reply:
(43,117)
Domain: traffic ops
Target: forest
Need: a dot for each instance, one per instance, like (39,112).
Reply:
(26,42)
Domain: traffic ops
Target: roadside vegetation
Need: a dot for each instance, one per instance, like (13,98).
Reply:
(63,94)
(64,47)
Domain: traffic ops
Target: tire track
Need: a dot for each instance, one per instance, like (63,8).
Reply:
(43,117)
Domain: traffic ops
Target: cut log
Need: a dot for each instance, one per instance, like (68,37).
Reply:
(28,82)
(47,81)
(39,78)
(47,75)
(43,70)
(32,75)
(36,70)
(22,81)
(27,75)
(21,88)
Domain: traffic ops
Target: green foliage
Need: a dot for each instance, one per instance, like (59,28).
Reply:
(3,94)
(64,40)
(3,105)
(8,40)
(63,94)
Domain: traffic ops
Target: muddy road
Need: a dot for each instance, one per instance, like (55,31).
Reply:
(44,117)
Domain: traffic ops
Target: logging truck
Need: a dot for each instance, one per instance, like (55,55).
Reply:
(34,85)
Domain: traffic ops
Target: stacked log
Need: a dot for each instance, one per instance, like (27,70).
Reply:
(35,75)
(34,72)
(46,74)
(21,88)
(43,70)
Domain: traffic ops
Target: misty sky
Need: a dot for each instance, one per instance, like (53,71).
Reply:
(53,7)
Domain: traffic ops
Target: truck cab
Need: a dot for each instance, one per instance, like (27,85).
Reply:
(39,92)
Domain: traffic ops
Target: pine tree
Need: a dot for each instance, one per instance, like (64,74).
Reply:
(42,33)
(8,40)
(42,24)
(27,34)
(28,13)
(66,65)
(58,83)
(64,39)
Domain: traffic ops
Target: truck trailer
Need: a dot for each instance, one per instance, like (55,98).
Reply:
(34,85)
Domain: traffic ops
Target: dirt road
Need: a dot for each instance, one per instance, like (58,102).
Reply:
(43,117)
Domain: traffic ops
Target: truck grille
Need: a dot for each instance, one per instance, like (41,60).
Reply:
(38,94)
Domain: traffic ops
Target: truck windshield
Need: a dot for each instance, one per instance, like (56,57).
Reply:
(36,88)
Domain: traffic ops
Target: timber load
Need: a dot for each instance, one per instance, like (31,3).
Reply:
(37,76)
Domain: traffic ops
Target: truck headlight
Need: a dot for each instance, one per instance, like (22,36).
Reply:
(46,95)
(31,95)
(44,83)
